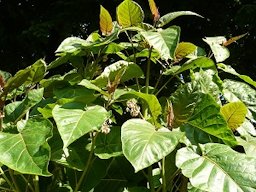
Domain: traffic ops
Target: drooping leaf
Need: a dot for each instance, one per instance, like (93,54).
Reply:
(201,62)
(229,69)
(218,169)
(154,10)
(234,39)
(148,146)
(106,25)
(170,16)
(75,120)
(234,113)
(127,71)
(242,92)
(109,145)
(129,13)
(184,49)
(89,85)
(31,75)
(220,52)
(199,111)
(16,110)
(164,41)
(28,151)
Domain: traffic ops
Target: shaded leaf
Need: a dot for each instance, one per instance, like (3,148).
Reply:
(129,13)
(234,113)
(200,111)
(170,16)
(218,169)
(106,25)
(28,151)
(149,146)
(109,145)
(75,120)
(164,41)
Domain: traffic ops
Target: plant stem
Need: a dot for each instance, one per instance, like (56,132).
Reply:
(36,183)
(163,176)
(148,69)
(87,166)
(164,85)
(14,180)
(150,179)
(6,178)
(29,184)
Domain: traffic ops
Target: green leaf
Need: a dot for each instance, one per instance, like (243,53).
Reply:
(229,69)
(16,110)
(184,49)
(242,92)
(31,75)
(199,111)
(143,145)
(75,120)
(220,52)
(28,151)
(109,145)
(234,113)
(170,16)
(128,70)
(201,62)
(129,13)
(106,25)
(89,85)
(249,145)
(164,41)
(218,169)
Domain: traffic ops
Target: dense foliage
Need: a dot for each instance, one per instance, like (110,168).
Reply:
(111,124)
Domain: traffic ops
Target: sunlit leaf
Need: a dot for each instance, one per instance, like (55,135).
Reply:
(149,146)
(129,13)
(31,75)
(234,113)
(249,145)
(28,151)
(220,52)
(170,16)
(75,120)
(229,69)
(106,25)
(184,49)
(219,168)
(164,41)
(154,10)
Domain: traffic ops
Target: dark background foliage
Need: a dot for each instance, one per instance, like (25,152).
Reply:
(31,29)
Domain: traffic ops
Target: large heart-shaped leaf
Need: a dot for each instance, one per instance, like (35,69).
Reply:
(234,113)
(106,25)
(219,168)
(129,13)
(165,41)
(75,120)
(143,145)
(199,111)
(28,151)
(170,16)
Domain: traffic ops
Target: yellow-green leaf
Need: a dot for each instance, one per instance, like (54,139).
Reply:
(184,49)
(129,13)
(106,25)
(154,10)
(234,113)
